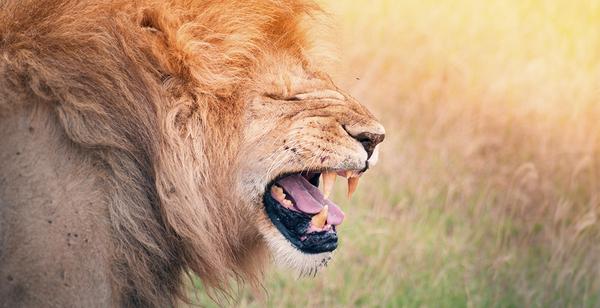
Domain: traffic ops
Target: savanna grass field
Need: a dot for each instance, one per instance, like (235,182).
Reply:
(487,190)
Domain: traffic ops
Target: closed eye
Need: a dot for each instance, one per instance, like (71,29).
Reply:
(278,97)
(322,94)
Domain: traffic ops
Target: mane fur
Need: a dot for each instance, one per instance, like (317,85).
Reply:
(155,89)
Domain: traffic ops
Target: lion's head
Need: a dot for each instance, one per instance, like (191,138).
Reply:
(300,132)
(212,125)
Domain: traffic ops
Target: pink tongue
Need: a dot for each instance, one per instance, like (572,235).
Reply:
(309,198)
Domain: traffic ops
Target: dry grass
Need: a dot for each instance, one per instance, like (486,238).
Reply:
(488,189)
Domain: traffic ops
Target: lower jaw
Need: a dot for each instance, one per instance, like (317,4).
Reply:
(289,257)
(293,226)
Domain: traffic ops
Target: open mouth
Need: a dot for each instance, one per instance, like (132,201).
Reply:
(303,213)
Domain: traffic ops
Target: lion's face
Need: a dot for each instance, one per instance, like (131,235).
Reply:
(300,132)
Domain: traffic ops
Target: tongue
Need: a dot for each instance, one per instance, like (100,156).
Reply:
(309,198)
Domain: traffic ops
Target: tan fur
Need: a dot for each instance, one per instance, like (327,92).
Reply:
(177,115)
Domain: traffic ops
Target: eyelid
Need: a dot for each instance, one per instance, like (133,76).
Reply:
(323,94)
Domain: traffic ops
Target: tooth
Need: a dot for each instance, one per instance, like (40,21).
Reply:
(276,190)
(287,203)
(277,193)
(328,181)
(348,173)
(352,184)
(319,220)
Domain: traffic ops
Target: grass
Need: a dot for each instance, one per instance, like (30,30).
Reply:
(487,193)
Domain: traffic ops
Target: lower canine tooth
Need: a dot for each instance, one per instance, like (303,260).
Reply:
(319,220)
(352,184)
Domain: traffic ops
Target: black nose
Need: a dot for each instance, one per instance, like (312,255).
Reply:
(369,141)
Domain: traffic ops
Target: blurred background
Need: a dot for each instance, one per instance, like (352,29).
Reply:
(487,192)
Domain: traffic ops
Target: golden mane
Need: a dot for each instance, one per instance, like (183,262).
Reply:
(153,88)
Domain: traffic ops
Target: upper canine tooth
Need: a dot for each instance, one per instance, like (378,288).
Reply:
(348,173)
(328,181)
(319,220)
(352,184)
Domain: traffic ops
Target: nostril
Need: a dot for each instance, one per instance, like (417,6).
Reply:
(368,136)
(369,141)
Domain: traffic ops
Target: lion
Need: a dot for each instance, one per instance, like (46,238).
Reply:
(145,141)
